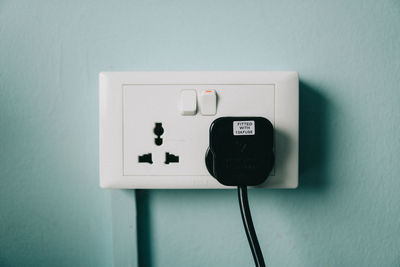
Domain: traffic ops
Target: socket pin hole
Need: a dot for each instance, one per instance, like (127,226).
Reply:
(171,158)
(145,158)
(158,131)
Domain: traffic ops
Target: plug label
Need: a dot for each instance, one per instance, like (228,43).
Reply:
(244,128)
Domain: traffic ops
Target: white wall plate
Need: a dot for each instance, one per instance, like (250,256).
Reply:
(131,103)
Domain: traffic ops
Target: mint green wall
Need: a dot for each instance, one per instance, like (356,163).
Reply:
(346,211)
(52,212)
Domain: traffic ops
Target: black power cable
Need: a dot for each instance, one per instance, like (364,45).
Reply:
(249,227)
(241,153)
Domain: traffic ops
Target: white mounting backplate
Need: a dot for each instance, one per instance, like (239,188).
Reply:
(132,102)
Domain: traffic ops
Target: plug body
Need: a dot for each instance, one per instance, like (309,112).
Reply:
(240,151)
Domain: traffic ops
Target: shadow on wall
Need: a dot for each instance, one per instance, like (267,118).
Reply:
(143,228)
(314,138)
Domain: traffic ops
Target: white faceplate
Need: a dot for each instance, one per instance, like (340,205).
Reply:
(132,102)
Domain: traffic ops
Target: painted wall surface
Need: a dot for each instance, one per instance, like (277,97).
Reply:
(346,211)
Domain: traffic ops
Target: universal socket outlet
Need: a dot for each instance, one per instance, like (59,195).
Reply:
(158,140)
(132,103)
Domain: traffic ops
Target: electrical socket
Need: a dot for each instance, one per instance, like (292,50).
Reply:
(158,141)
(145,142)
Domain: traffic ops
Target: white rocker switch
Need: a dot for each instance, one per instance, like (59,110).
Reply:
(208,102)
(188,102)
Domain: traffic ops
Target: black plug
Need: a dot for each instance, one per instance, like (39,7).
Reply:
(240,152)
